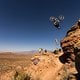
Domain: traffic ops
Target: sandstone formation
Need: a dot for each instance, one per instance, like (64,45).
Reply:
(71,45)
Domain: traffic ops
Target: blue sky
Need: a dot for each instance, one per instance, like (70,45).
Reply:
(25,25)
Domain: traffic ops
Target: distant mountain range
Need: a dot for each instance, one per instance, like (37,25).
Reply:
(27,52)
(19,52)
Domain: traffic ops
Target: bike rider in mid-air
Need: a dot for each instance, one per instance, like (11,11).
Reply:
(56,20)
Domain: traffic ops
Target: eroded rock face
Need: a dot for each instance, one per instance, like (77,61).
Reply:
(71,45)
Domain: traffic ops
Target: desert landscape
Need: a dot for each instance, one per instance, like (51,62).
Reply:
(39,40)
(60,64)
(22,66)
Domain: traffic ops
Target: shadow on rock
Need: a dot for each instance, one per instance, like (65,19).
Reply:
(64,58)
(77,76)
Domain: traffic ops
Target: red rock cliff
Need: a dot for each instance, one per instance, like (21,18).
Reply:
(71,45)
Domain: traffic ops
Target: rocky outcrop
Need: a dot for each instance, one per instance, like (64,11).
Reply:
(71,41)
(71,45)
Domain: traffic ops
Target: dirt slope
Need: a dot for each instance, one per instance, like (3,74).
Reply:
(46,69)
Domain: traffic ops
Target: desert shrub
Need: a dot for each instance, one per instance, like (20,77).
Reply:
(27,77)
(64,74)
(59,50)
(21,76)
(55,51)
